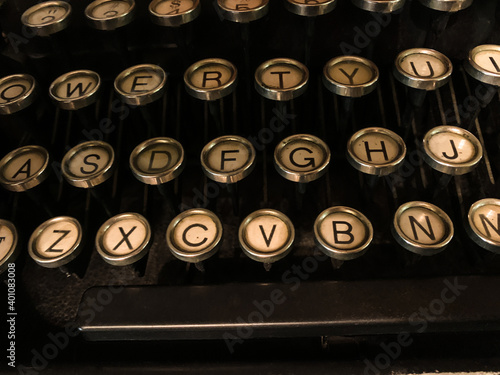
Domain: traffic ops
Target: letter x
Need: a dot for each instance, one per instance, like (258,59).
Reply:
(125,238)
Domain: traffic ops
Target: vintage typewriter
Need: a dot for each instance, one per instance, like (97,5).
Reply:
(251,186)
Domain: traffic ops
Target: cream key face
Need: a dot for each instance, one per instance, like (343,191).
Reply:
(141,84)
(484,224)
(56,242)
(422,228)
(75,90)
(350,76)
(8,242)
(310,8)
(46,13)
(343,233)
(173,7)
(266,235)
(242,5)
(16,93)
(483,63)
(210,79)
(24,168)
(124,239)
(110,14)
(111,9)
(194,235)
(174,12)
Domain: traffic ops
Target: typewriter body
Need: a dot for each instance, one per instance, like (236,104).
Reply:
(387,311)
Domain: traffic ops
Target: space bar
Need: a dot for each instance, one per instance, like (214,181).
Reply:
(305,309)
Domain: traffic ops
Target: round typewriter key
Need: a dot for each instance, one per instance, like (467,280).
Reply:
(422,228)
(243,11)
(422,68)
(343,233)
(56,242)
(379,6)
(447,5)
(17,92)
(350,76)
(484,224)
(110,14)
(301,158)
(376,151)
(157,161)
(266,236)
(310,8)
(75,90)
(281,79)
(48,17)
(210,79)
(124,239)
(228,159)
(483,64)
(174,13)
(452,150)
(8,244)
(88,164)
(24,168)
(141,84)
(194,236)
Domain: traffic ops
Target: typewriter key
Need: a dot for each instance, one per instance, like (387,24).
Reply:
(301,158)
(227,160)
(17,92)
(423,69)
(47,18)
(342,233)
(422,228)
(110,14)
(174,13)
(379,6)
(310,8)
(57,242)
(281,79)
(89,165)
(211,80)
(125,240)
(452,150)
(237,11)
(8,244)
(266,236)
(483,64)
(376,151)
(194,236)
(447,5)
(483,224)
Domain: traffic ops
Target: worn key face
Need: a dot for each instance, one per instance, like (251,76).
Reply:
(452,150)
(56,242)
(281,79)
(194,235)
(484,224)
(350,76)
(75,90)
(17,92)
(310,8)
(343,233)
(376,151)
(110,14)
(483,63)
(8,244)
(228,159)
(423,68)
(157,161)
(379,6)
(302,158)
(124,239)
(174,13)
(48,17)
(243,11)
(422,228)
(266,235)
(141,84)
(88,164)
(24,168)
(447,5)
(210,79)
